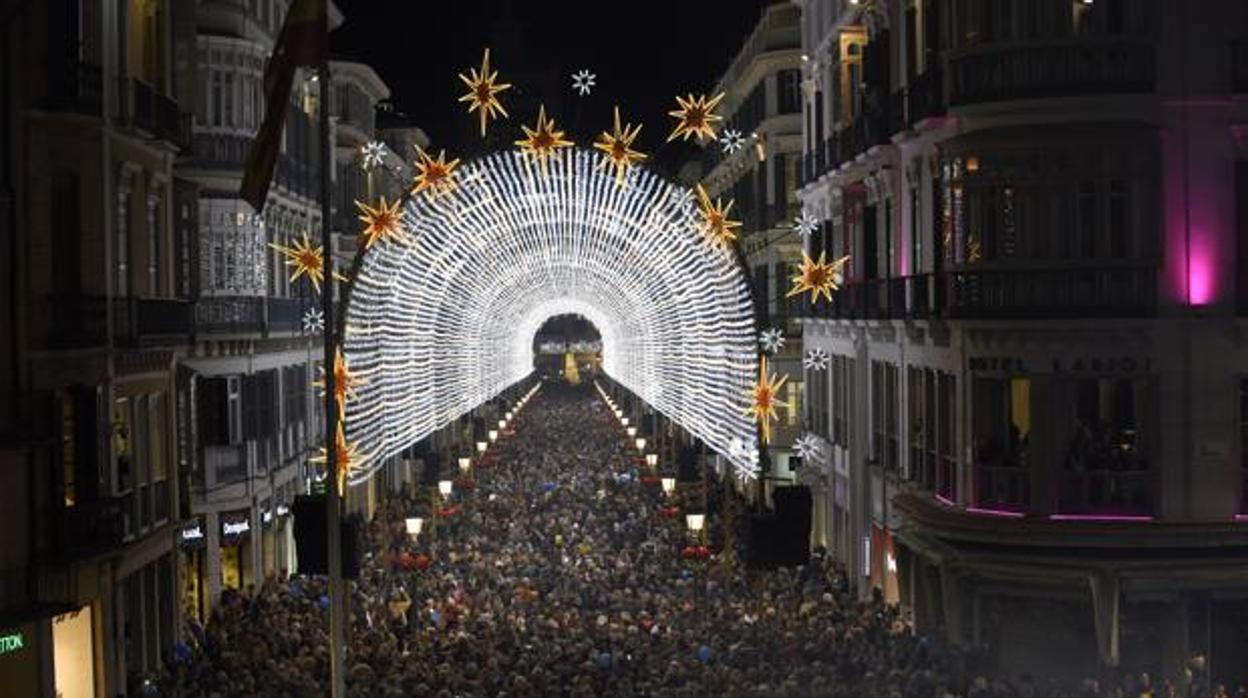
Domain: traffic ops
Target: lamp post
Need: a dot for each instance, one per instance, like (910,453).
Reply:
(652,460)
(481,446)
(465,464)
(415,525)
(669,485)
(493,435)
(696,524)
(641,444)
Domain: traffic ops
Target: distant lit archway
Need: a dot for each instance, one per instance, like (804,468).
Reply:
(440,325)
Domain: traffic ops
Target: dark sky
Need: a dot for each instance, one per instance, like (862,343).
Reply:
(643,52)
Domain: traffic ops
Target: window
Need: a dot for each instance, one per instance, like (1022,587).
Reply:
(841,375)
(1106,468)
(1085,216)
(1243,444)
(159,459)
(916,233)
(229,100)
(884,407)
(921,406)
(216,99)
(1117,212)
(154,248)
(790,98)
(121,267)
(1002,433)
(795,401)
(946,429)
(234,408)
(66,225)
(123,439)
(69,450)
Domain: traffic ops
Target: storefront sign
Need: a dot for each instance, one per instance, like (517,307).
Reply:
(1079,364)
(192,534)
(283,510)
(267,517)
(234,526)
(12,642)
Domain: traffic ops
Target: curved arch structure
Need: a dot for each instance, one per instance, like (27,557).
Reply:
(439,325)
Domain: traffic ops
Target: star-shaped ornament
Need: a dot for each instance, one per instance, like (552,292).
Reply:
(696,117)
(543,142)
(617,148)
(820,277)
(434,176)
(483,89)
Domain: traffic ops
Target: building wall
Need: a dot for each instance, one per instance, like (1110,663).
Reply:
(1051,243)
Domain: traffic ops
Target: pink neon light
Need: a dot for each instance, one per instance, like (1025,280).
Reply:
(1125,518)
(1003,513)
(947,502)
(1200,272)
(1243,518)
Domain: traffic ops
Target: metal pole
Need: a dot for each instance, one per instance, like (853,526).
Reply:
(333,498)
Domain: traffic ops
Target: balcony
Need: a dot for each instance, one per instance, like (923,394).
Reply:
(925,96)
(83,321)
(79,89)
(225,465)
(250,314)
(1052,293)
(88,526)
(144,108)
(868,130)
(1077,67)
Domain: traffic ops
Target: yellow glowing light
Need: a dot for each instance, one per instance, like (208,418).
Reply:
(305,259)
(617,148)
(764,399)
(345,382)
(346,457)
(695,117)
(543,142)
(483,92)
(434,176)
(383,223)
(820,277)
(716,226)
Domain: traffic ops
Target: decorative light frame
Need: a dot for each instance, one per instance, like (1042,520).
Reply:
(446,322)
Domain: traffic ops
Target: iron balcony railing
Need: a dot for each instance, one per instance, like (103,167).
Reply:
(995,293)
(1075,67)
(83,321)
(80,88)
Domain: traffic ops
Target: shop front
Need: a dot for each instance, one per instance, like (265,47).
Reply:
(236,550)
(192,549)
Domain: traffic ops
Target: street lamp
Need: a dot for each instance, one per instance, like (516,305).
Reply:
(445,487)
(465,464)
(652,459)
(502,424)
(695,522)
(481,446)
(631,431)
(669,485)
(493,435)
(509,416)
(624,421)
(414,526)
(641,444)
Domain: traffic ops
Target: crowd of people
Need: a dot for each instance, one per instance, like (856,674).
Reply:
(552,573)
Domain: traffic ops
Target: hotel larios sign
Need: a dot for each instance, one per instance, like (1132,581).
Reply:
(1077,364)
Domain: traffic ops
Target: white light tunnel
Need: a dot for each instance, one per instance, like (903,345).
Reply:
(439,325)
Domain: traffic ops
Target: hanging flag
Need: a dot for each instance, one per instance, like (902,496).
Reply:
(303,42)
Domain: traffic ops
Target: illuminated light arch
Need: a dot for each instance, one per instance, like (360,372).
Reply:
(440,325)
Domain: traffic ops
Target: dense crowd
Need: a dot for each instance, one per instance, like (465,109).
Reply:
(553,574)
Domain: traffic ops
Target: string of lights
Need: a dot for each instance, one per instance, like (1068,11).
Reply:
(444,321)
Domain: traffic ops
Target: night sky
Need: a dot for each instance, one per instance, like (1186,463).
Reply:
(643,52)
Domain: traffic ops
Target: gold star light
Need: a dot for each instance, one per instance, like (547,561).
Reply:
(819,277)
(381,223)
(345,383)
(434,176)
(482,92)
(617,148)
(764,399)
(695,117)
(305,259)
(716,226)
(543,142)
(346,457)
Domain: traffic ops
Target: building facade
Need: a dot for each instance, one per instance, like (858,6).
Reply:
(96,318)
(762,103)
(252,415)
(1033,423)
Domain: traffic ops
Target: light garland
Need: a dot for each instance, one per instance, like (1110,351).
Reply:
(442,325)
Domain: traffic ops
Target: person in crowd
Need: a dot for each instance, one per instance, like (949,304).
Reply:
(553,572)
